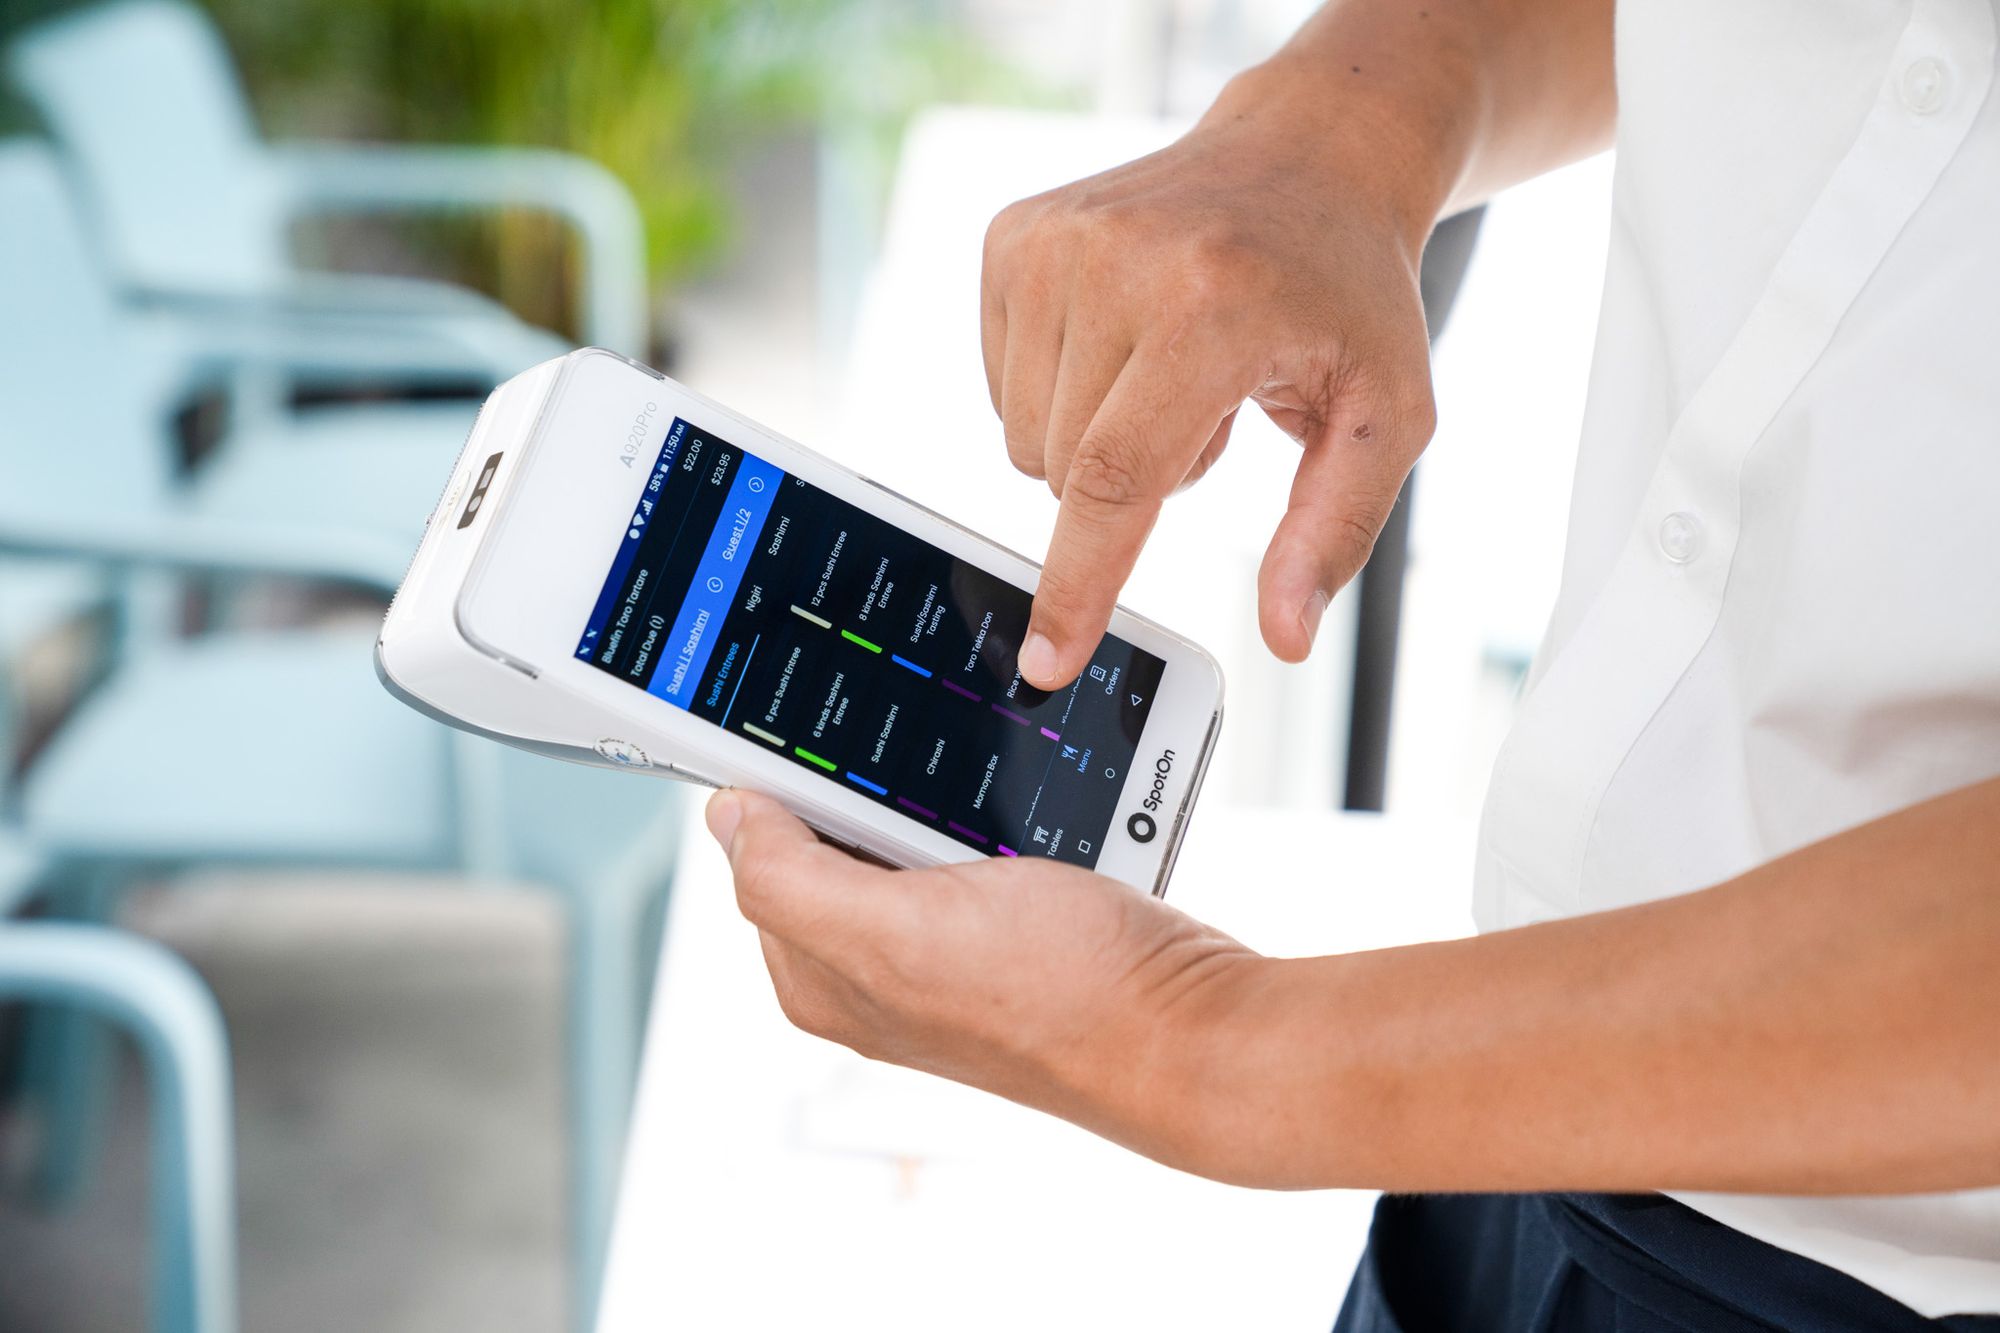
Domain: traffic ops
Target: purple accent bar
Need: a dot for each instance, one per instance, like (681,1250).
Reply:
(1010,713)
(1005,850)
(957,827)
(1050,734)
(909,804)
(956,688)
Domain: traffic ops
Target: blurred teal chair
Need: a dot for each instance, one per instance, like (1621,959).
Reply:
(280,750)
(194,208)
(155,997)
(89,385)
(277,749)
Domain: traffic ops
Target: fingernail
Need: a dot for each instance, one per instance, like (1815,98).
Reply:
(1311,613)
(724,813)
(1038,657)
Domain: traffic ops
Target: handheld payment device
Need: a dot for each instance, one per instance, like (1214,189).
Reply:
(621,572)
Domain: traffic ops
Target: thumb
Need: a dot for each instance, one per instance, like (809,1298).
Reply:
(786,878)
(1347,482)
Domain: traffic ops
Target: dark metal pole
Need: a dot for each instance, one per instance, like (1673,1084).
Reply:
(1379,587)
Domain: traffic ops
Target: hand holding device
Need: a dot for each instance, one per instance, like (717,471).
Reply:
(1039,982)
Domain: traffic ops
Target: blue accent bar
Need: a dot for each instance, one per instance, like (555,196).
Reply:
(635,531)
(685,649)
(904,661)
(741,672)
(860,781)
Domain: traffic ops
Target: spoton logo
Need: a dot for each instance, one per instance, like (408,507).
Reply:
(635,438)
(1161,767)
(1141,826)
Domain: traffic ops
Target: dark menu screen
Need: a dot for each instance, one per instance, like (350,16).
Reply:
(862,654)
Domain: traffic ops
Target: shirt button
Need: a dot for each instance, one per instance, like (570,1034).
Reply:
(1925,85)
(1680,537)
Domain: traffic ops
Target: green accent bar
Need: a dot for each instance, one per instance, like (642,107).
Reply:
(852,637)
(811,758)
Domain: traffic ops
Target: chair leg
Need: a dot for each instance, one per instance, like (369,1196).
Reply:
(170,1013)
(68,1063)
(194,1175)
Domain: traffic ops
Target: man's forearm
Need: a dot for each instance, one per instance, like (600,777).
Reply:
(1826,1023)
(1439,103)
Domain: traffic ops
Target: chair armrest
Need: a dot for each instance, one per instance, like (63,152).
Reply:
(336,178)
(321,340)
(195,546)
(172,1016)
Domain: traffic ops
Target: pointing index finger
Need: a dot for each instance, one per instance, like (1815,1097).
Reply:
(1141,442)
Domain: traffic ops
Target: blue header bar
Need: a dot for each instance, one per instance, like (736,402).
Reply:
(713,589)
(628,549)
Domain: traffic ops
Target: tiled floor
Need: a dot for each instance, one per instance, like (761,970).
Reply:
(398,1104)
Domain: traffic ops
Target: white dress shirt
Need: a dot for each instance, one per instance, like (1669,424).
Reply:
(1780,609)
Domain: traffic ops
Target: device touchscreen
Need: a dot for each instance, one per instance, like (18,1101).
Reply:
(864,654)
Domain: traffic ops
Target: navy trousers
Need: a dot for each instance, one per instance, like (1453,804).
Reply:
(1606,1263)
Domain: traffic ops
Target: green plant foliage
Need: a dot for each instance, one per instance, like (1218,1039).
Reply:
(660,91)
(663,92)
(643,86)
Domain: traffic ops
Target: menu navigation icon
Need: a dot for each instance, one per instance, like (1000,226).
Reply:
(1138,699)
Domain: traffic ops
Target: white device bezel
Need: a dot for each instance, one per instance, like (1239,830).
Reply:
(533,564)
